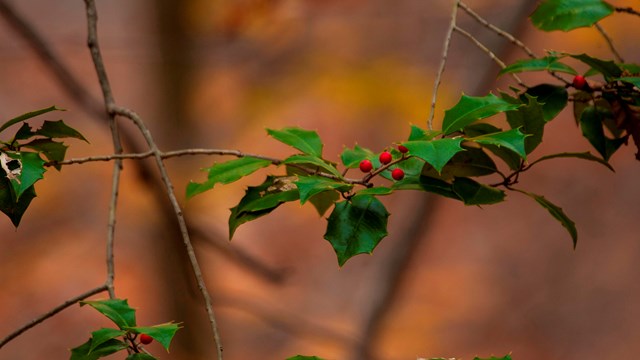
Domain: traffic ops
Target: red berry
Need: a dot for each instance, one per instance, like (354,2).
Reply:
(385,157)
(397,174)
(145,339)
(579,82)
(403,149)
(366,166)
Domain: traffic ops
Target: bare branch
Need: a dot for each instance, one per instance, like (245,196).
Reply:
(628,10)
(607,38)
(443,62)
(51,313)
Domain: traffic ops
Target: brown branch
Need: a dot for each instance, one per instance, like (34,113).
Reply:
(51,313)
(443,62)
(628,10)
(609,41)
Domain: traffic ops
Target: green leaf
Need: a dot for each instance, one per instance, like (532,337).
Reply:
(378,190)
(567,15)
(58,129)
(226,173)
(309,186)
(103,335)
(418,133)
(583,155)
(28,116)
(471,162)
(435,152)
(304,140)
(557,213)
(470,109)
(473,193)
(32,171)
(83,352)
(591,125)
(607,68)
(313,160)
(140,356)
(303,357)
(52,150)
(24,132)
(324,200)
(260,200)
(162,333)
(547,63)
(11,206)
(429,184)
(512,140)
(356,226)
(115,309)
(351,158)
(506,357)
(552,98)
(512,159)
(635,81)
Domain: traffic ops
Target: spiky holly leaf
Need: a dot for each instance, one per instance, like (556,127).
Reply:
(356,226)
(58,129)
(52,150)
(11,206)
(530,120)
(28,116)
(103,335)
(556,212)
(506,357)
(512,139)
(418,133)
(567,15)
(84,352)
(315,162)
(591,122)
(351,158)
(226,173)
(474,193)
(609,69)
(471,162)
(471,109)
(140,356)
(583,155)
(435,152)
(547,63)
(117,310)
(162,333)
(31,170)
(304,140)
(309,186)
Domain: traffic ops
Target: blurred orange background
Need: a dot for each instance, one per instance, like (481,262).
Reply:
(215,74)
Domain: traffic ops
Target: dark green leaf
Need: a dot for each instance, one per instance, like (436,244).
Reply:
(162,333)
(226,173)
(302,357)
(103,335)
(140,356)
(530,120)
(512,159)
(313,160)
(32,171)
(512,140)
(28,116)
(591,124)
(58,129)
(436,186)
(581,100)
(547,63)
(557,213)
(506,357)
(471,162)
(584,155)
(107,348)
(435,152)
(304,140)
(309,186)
(552,98)
(606,67)
(356,226)
(260,200)
(9,205)
(378,190)
(470,109)
(24,132)
(115,309)
(418,133)
(52,150)
(635,81)
(567,15)
(473,193)
(324,200)
(351,158)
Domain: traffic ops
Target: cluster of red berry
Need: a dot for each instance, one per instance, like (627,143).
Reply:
(385,157)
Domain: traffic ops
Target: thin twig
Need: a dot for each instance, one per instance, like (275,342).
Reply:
(628,10)
(490,53)
(609,41)
(443,62)
(51,313)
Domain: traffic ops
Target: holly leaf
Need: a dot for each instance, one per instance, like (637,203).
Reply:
(471,162)
(556,212)
(633,80)
(583,155)
(162,333)
(378,190)
(473,193)
(226,173)
(567,15)
(84,351)
(435,152)
(470,109)
(351,158)
(309,186)
(609,69)
(103,335)
(31,170)
(28,116)
(552,98)
(115,309)
(512,139)
(591,121)
(304,140)
(302,357)
(313,160)
(324,200)
(506,357)
(356,226)
(547,63)
(11,206)
(52,150)
(58,129)
(140,356)
(418,133)
(260,200)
